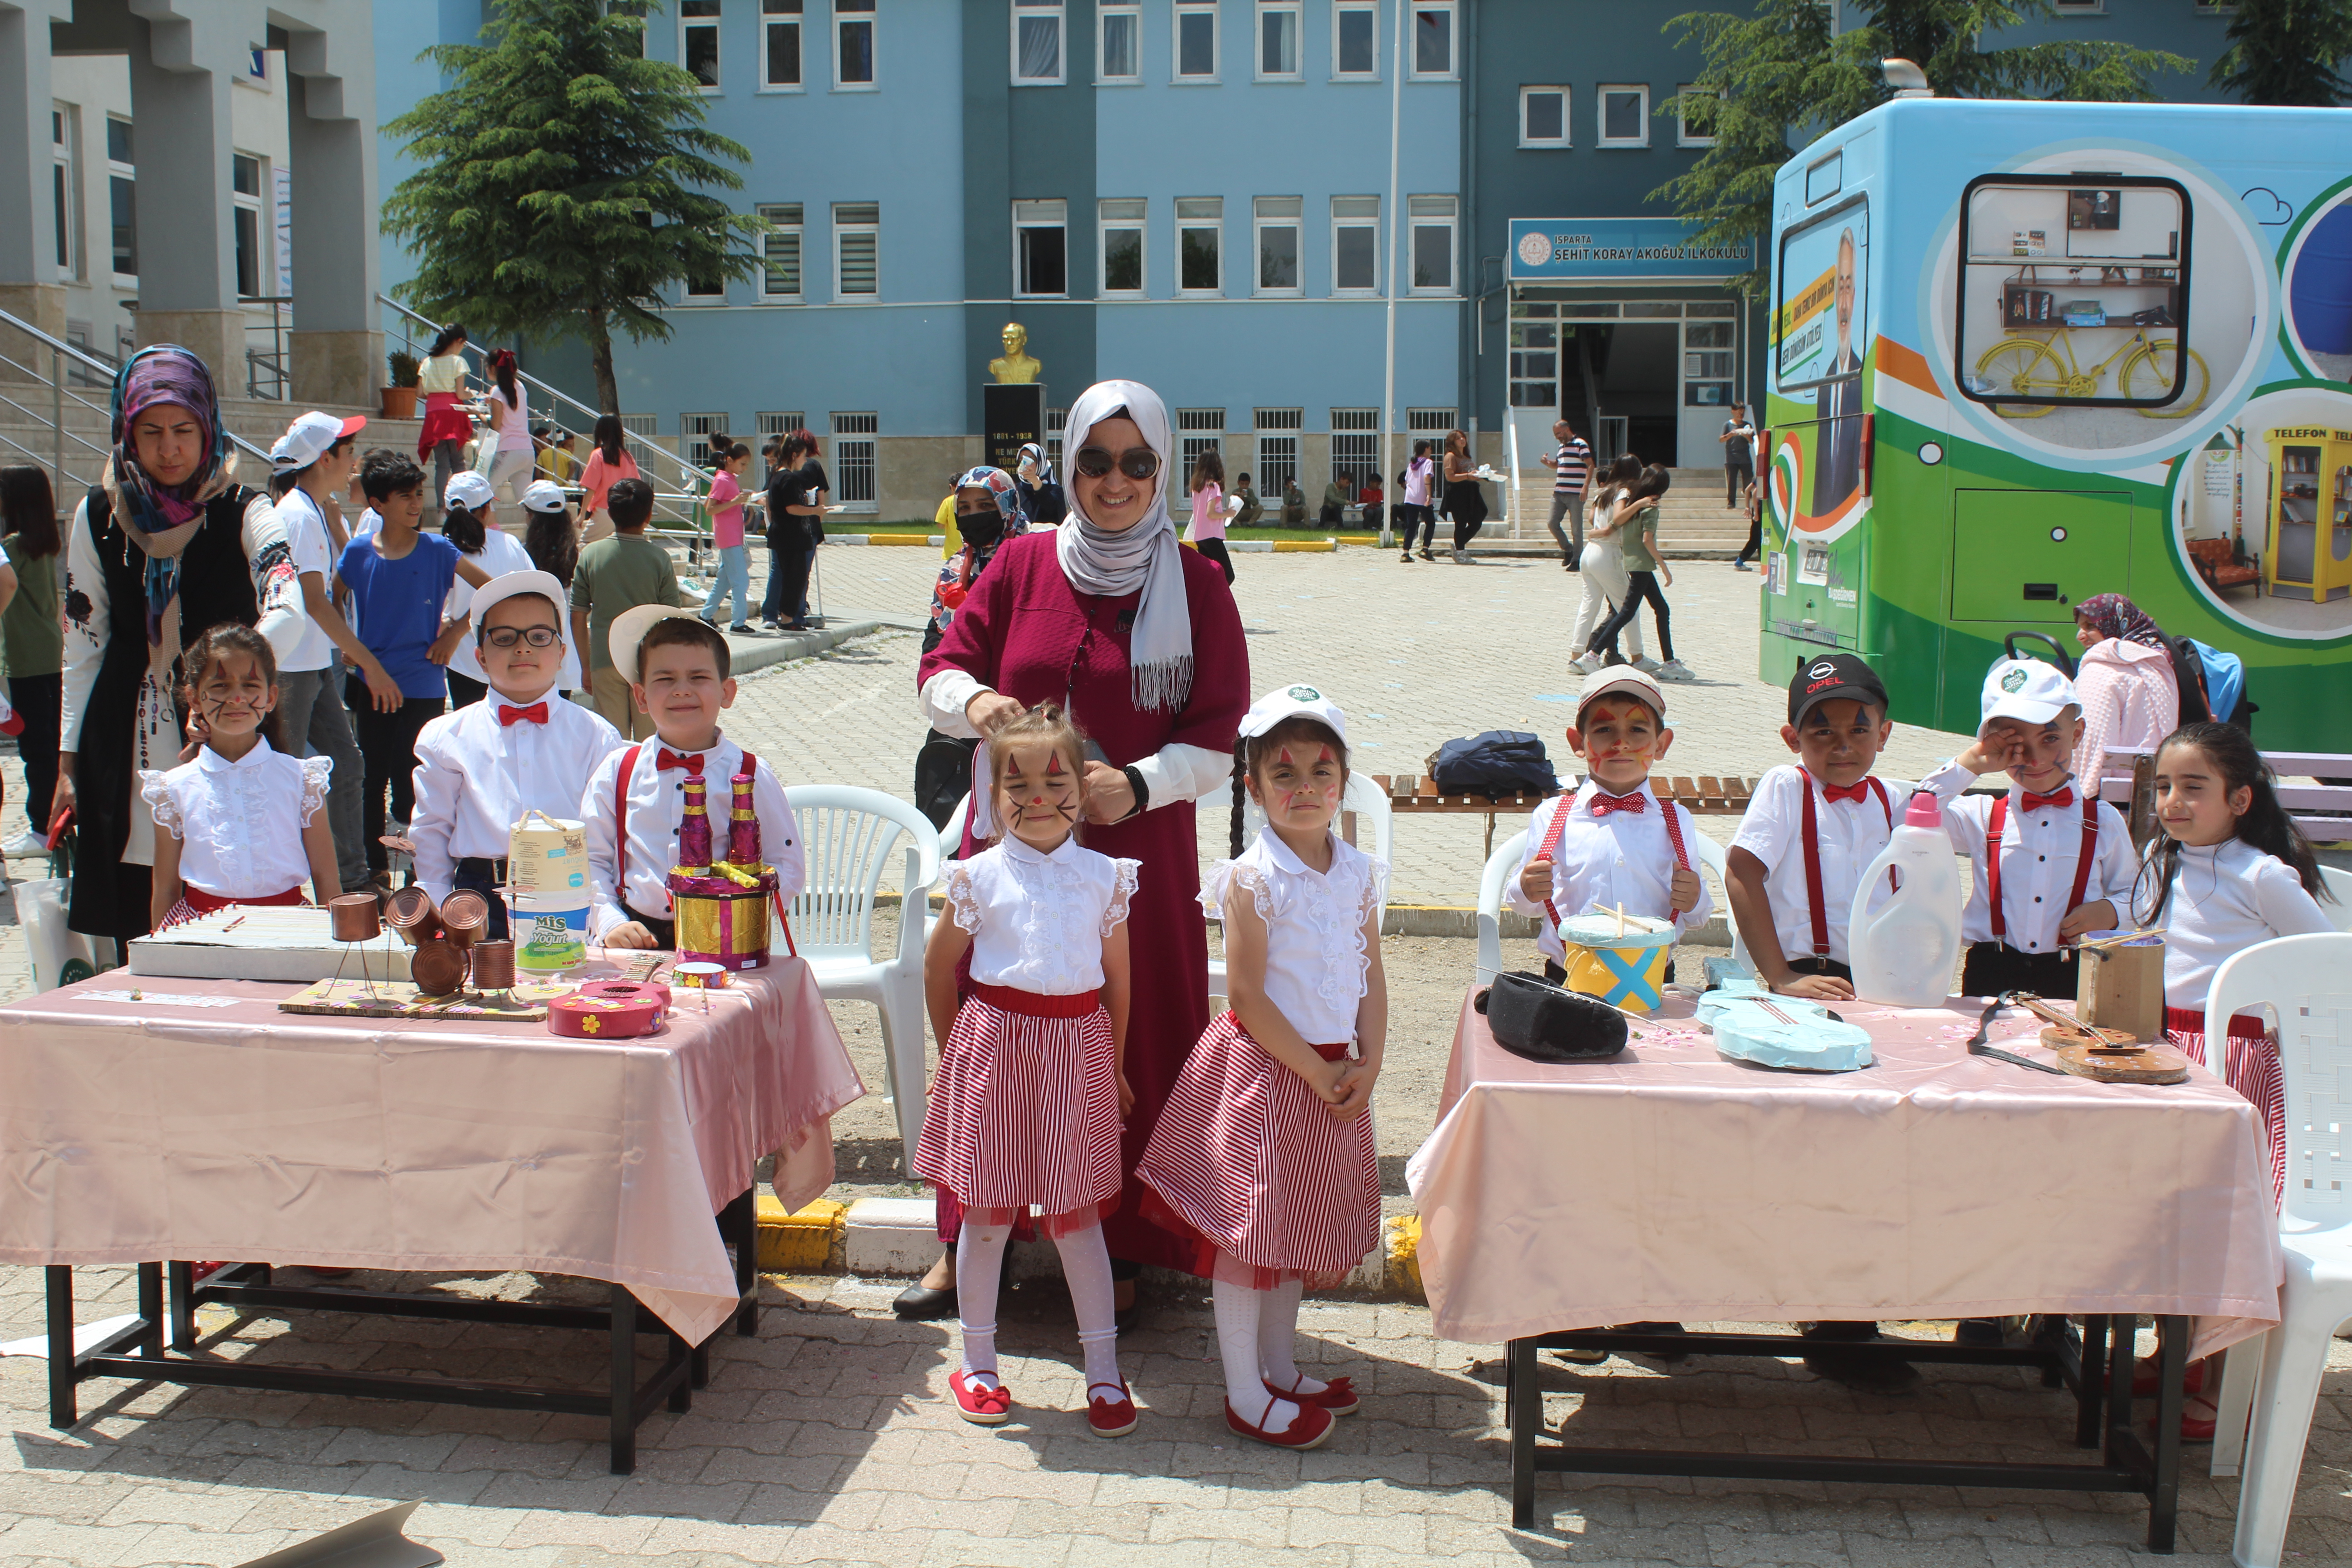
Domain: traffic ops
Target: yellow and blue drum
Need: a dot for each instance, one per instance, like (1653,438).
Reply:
(1619,959)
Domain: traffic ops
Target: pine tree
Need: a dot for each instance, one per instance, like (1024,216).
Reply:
(1781,75)
(566,183)
(2286,51)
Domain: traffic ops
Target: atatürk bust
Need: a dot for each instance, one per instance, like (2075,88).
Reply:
(1016,368)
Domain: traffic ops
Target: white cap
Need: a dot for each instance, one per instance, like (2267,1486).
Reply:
(2026,690)
(307,439)
(1284,702)
(629,629)
(544,495)
(467,488)
(1625,678)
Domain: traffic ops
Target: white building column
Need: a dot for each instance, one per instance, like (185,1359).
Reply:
(30,288)
(337,340)
(179,87)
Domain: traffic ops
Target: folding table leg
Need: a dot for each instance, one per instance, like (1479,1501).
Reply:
(63,1410)
(1524,1407)
(625,1381)
(151,1308)
(2164,1490)
(746,1214)
(681,1397)
(180,1276)
(2087,1370)
(2123,1332)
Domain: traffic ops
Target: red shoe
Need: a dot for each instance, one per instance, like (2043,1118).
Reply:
(2195,1428)
(1313,1425)
(1338,1395)
(981,1407)
(2144,1379)
(1110,1417)
(199,1271)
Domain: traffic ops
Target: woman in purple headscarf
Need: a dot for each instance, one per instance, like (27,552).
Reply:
(2130,697)
(162,547)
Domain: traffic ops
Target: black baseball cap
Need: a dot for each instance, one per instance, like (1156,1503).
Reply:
(1834,675)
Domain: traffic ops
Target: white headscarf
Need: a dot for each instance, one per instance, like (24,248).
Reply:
(1098,560)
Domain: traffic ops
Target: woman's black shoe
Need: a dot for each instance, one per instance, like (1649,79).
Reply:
(919,1304)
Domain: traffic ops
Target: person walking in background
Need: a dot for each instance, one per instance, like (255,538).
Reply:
(34,638)
(733,459)
(1751,497)
(1042,501)
(617,573)
(550,536)
(1739,441)
(1603,565)
(1570,462)
(441,440)
(1413,512)
(1635,518)
(608,462)
(795,528)
(1206,532)
(1465,503)
(467,522)
(509,464)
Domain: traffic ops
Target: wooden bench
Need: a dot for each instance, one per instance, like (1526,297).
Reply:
(2323,810)
(1702,796)
(2216,561)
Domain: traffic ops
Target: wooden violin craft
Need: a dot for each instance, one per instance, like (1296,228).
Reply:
(1751,1025)
(2106,1056)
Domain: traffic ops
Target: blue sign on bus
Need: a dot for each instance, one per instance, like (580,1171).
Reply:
(1620,250)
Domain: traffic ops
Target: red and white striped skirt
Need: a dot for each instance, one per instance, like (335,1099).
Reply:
(1246,1157)
(194,901)
(2249,1064)
(1025,1110)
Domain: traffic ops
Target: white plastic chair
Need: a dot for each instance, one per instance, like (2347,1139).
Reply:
(1504,863)
(2338,883)
(848,837)
(2300,978)
(1362,796)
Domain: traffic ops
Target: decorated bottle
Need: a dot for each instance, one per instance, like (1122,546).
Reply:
(694,828)
(743,827)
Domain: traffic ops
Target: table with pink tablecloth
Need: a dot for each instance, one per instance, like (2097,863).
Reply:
(132,1130)
(1674,1183)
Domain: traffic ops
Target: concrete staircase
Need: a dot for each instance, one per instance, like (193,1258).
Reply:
(1692,522)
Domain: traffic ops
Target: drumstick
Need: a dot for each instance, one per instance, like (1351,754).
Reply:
(2121,936)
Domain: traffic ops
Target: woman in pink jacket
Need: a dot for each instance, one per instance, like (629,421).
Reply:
(2130,697)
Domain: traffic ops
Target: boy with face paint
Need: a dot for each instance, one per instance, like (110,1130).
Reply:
(1613,842)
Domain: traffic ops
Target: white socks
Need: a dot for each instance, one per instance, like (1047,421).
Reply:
(980,1263)
(1085,1265)
(1277,1339)
(1243,1317)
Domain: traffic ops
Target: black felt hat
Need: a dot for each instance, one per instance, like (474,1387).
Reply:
(1533,1018)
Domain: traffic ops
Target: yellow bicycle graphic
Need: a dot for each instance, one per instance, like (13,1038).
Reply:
(2029,367)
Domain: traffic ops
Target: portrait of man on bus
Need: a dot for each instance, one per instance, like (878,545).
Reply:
(1837,453)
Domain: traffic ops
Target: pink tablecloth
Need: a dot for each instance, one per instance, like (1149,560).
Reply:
(1672,1184)
(136,1130)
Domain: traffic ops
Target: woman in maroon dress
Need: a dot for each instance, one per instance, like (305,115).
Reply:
(1140,639)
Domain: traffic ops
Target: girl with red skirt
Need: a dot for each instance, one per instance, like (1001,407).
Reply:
(1025,1109)
(1263,1158)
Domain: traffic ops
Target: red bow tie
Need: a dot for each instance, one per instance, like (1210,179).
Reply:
(690,762)
(1602,805)
(534,714)
(2063,796)
(1853,791)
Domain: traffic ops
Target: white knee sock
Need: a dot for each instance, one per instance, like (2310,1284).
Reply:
(1277,1337)
(979,1261)
(1085,1264)
(1239,1311)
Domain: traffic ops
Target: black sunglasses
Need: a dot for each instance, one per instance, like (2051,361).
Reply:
(1136,462)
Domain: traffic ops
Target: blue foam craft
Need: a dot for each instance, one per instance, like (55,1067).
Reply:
(1752,1025)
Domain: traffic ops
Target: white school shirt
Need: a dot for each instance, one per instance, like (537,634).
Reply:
(2038,853)
(2226,897)
(231,818)
(304,526)
(1619,857)
(1037,921)
(477,777)
(1315,958)
(1853,833)
(500,553)
(656,803)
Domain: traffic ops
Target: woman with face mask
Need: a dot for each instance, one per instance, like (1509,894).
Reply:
(987,513)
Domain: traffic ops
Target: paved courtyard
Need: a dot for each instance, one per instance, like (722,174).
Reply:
(826,1439)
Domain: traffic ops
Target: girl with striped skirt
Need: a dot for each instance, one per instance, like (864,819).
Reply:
(2230,870)
(1264,1157)
(1025,1108)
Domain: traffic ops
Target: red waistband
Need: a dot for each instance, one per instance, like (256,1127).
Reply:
(1029,1005)
(204,903)
(1329,1052)
(2192,1021)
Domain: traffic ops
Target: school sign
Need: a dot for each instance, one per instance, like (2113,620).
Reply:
(1620,250)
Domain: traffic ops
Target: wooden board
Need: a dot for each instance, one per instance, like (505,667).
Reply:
(399,999)
(2149,1064)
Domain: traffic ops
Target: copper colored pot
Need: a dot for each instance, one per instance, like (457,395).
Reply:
(354,918)
(464,916)
(413,915)
(494,965)
(438,966)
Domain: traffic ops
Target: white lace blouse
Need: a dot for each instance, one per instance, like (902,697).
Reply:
(231,818)
(1315,956)
(1037,922)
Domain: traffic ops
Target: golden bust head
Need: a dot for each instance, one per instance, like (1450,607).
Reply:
(1016,366)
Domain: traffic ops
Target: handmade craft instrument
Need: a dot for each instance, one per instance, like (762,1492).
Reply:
(1752,1025)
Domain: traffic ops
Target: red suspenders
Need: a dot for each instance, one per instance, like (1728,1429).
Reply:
(621,823)
(1550,844)
(1993,828)
(1814,858)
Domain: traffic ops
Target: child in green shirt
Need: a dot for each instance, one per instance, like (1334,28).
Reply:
(1634,521)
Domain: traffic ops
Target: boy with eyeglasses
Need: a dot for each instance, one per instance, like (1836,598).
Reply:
(480,769)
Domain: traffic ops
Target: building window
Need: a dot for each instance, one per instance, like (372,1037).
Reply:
(1277,451)
(65,189)
(1355,444)
(857,249)
(1122,26)
(698,41)
(854,464)
(1057,421)
(1277,40)
(1355,43)
(1201,429)
(1041,260)
(2080,8)
(779,252)
(1196,40)
(1430,425)
(694,434)
(706,289)
(1535,355)
(1037,43)
(122,197)
(244,195)
(1200,266)
(1433,39)
(1432,243)
(1624,116)
(639,425)
(1275,219)
(1122,224)
(1693,116)
(1543,116)
(1355,245)
(775,427)
(852,43)
(779,43)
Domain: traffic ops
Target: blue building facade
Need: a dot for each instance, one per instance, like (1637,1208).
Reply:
(1196,195)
